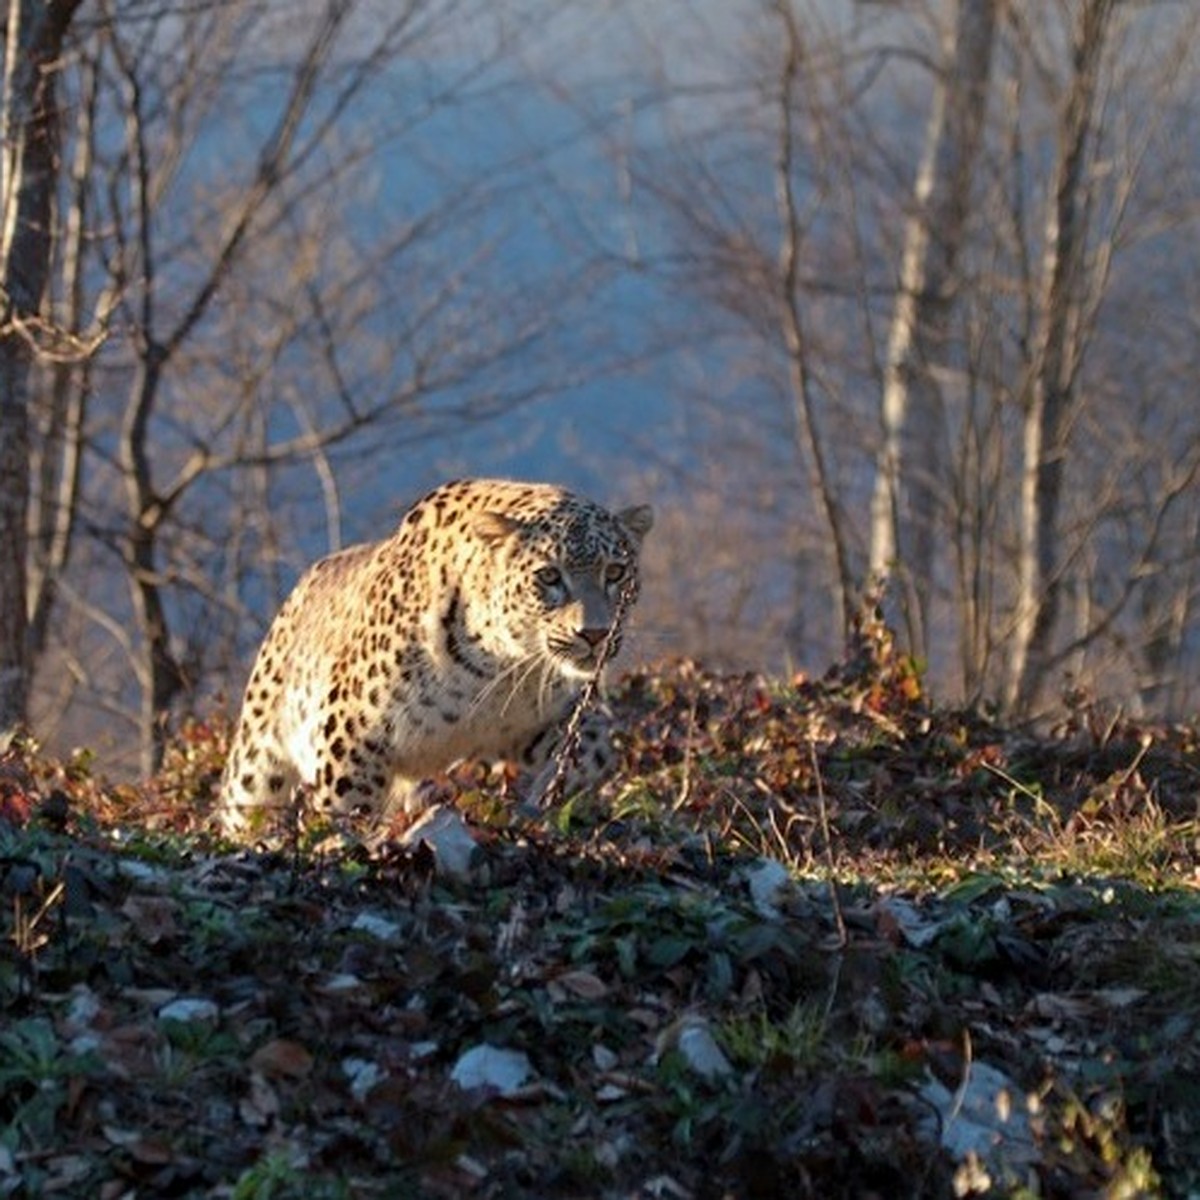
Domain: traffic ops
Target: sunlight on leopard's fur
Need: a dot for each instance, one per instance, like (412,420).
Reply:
(467,633)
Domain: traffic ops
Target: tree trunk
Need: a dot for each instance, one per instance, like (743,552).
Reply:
(909,463)
(29,146)
(56,458)
(159,674)
(14,506)
(1050,392)
(795,343)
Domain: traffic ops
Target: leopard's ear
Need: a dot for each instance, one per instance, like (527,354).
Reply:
(637,522)
(495,527)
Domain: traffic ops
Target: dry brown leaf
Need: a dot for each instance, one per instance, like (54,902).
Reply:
(282,1058)
(142,1147)
(584,984)
(129,1051)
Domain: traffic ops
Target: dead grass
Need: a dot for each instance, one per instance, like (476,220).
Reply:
(816,938)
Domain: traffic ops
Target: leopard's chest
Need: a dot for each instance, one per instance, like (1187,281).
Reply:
(466,716)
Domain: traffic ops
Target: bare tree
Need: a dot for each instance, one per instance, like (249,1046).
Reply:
(1057,354)
(34,37)
(162,336)
(60,398)
(794,68)
(1036,459)
(263,344)
(1075,270)
(264,331)
(910,462)
(758,260)
(1125,444)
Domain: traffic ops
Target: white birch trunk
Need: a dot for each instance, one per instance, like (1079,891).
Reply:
(1057,351)
(909,463)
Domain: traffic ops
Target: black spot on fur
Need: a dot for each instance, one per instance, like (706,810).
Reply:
(454,642)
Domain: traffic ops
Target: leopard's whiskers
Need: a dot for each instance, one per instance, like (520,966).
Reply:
(568,744)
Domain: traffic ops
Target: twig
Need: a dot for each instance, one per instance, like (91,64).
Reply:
(564,753)
(839,918)
(1029,793)
(685,789)
(1147,740)
(960,1094)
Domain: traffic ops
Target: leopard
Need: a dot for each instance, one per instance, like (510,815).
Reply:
(467,633)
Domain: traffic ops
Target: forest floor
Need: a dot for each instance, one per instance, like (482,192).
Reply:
(816,938)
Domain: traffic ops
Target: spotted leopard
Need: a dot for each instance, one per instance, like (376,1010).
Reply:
(468,633)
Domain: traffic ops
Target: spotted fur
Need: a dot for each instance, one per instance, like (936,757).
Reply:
(467,633)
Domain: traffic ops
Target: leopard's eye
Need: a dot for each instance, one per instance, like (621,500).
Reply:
(614,572)
(549,577)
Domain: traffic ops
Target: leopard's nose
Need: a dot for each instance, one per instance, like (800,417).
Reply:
(594,637)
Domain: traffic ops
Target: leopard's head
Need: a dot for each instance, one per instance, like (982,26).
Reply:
(564,568)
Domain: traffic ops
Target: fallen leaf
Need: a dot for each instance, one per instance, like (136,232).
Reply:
(377,926)
(143,1148)
(584,984)
(445,832)
(363,1076)
(129,1051)
(152,918)
(492,1068)
(260,1106)
(984,1117)
(1058,1007)
(190,1010)
(65,1171)
(604,1058)
(1121,997)
(770,883)
(282,1057)
(694,1041)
